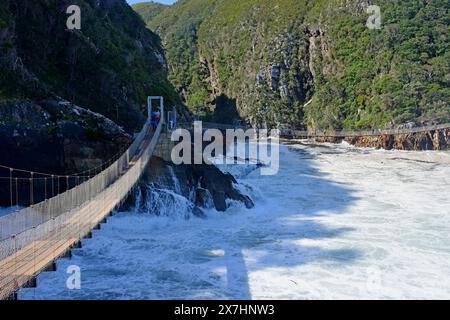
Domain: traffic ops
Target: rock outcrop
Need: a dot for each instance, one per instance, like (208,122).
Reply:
(110,65)
(430,140)
(57,136)
(205,186)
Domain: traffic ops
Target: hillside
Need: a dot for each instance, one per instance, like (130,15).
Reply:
(109,66)
(310,63)
(149,10)
(71,100)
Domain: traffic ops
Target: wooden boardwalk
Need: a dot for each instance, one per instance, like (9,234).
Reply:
(22,267)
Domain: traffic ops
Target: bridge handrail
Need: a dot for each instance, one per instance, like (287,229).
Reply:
(210,125)
(30,224)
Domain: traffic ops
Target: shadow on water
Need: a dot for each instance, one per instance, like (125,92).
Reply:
(286,223)
(267,238)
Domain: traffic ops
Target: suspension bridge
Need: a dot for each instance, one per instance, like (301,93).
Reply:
(290,132)
(33,238)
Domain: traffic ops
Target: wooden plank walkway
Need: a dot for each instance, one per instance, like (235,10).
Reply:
(25,264)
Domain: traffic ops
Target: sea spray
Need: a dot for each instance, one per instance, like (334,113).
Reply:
(176,182)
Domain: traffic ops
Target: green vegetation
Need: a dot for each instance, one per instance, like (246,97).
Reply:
(109,66)
(311,63)
(397,74)
(149,10)
(179,24)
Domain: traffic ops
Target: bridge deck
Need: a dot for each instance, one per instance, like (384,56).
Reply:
(25,264)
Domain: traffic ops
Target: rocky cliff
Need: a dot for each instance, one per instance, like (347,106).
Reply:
(56,137)
(71,99)
(109,66)
(51,76)
(421,141)
(311,64)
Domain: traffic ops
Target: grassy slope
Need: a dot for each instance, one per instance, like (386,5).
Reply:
(378,77)
(149,10)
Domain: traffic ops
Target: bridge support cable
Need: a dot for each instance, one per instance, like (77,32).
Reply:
(11,185)
(17,192)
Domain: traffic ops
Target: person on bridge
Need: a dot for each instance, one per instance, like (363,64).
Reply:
(156,117)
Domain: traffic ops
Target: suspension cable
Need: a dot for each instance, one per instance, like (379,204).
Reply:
(71,175)
(11,186)
(17,192)
(31,189)
(34,176)
(42,179)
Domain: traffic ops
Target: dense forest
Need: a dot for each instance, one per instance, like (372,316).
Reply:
(309,63)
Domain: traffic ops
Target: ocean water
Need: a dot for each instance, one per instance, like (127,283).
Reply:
(336,222)
(4,211)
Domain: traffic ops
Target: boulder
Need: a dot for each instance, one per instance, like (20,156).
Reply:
(204,185)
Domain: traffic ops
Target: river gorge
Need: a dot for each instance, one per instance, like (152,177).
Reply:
(336,222)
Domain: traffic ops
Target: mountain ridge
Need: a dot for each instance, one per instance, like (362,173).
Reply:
(312,64)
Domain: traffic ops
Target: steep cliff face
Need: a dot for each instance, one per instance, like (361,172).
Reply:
(51,78)
(56,137)
(311,63)
(421,141)
(431,140)
(109,66)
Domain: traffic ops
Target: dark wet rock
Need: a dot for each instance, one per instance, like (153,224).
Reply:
(203,197)
(219,198)
(204,185)
(220,185)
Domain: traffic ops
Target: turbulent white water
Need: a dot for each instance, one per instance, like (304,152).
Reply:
(336,222)
(5,211)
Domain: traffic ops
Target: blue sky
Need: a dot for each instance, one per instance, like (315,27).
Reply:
(160,1)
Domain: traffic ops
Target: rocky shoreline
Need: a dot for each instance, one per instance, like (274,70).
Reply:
(420,141)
